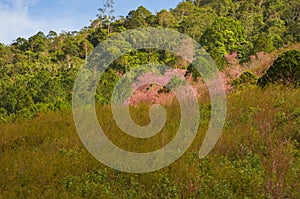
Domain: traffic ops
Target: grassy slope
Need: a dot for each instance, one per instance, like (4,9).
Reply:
(257,155)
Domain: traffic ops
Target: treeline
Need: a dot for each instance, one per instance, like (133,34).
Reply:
(37,74)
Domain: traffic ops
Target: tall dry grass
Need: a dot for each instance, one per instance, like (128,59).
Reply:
(257,155)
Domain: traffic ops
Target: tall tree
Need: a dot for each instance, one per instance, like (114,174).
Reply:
(38,42)
(21,44)
(195,24)
(222,7)
(137,18)
(224,36)
(291,16)
(105,16)
(183,10)
(166,19)
(263,43)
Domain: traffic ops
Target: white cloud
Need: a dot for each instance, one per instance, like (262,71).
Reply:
(15,21)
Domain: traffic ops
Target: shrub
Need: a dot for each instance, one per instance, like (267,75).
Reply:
(247,79)
(285,70)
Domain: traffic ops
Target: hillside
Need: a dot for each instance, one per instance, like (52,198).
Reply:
(37,73)
(255,46)
(257,155)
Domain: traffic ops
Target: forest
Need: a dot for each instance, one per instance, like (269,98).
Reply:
(255,45)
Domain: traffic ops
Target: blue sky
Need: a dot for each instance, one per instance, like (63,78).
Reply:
(24,18)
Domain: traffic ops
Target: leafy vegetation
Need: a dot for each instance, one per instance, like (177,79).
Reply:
(257,155)
(246,79)
(285,70)
(254,44)
(37,73)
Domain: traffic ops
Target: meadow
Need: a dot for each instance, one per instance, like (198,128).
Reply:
(257,155)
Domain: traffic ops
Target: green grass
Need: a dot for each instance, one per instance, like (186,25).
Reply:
(257,155)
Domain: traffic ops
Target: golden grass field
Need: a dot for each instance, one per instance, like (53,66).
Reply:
(257,156)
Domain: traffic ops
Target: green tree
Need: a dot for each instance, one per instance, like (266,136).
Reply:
(195,24)
(137,18)
(106,85)
(222,7)
(38,42)
(183,10)
(251,15)
(152,21)
(97,36)
(87,48)
(263,43)
(277,30)
(285,70)
(105,16)
(71,48)
(224,36)
(52,35)
(166,19)
(291,17)
(21,44)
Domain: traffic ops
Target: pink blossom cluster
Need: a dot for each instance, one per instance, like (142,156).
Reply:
(232,58)
(261,62)
(150,87)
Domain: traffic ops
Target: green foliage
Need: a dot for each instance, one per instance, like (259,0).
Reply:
(257,155)
(206,71)
(137,18)
(21,44)
(285,70)
(263,43)
(277,30)
(89,185)
(290,15)
(183,10)
(166,19)
(225,36)
(247,79)
(196,23)
(166,189)
(97,36)
(37,42)
(106,85)
(222,7)
(132,60)
(26,95)
(231,178)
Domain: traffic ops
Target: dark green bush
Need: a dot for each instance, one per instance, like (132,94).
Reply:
(247,79)
(285,70)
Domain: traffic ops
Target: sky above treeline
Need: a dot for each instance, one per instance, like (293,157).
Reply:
(24,18)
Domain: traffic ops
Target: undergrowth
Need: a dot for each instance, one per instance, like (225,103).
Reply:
(257,155)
